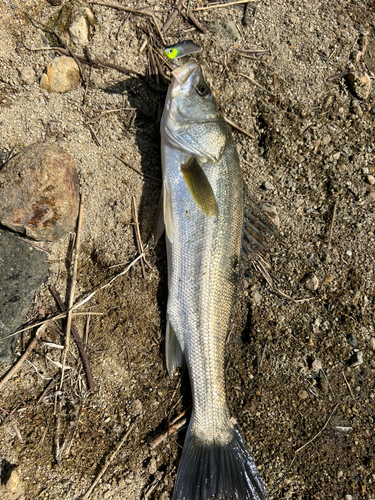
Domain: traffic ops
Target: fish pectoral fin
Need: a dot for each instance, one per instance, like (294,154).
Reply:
(167,211)
(159,221)
(199,187)
(173,351)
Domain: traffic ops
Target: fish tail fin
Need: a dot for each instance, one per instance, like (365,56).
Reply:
(219,471)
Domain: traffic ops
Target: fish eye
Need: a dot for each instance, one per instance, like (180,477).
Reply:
(203,89)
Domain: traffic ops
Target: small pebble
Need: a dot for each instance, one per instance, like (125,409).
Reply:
(356,359)
(371,179)
(310,281)
(349,253)
(256,298)
(360,84)
(108,494)
(371,344)
(271,212)
(352,340)
(316,366)
(27,75)
(326,139)
(348,497)
(136,407)
(74,23)
(152,468)
(302,394)
(268,186)
(328,279)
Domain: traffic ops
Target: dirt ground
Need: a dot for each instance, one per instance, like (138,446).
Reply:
(305,407)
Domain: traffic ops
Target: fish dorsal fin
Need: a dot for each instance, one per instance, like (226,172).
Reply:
(199,187)
(174,354)
(167,211)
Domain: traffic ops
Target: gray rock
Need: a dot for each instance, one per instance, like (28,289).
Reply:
(23,269)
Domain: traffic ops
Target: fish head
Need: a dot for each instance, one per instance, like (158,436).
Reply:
(191,115)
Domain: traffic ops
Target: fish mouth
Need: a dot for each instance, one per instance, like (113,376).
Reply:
(183,76)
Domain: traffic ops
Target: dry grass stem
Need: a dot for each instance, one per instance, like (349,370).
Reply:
(221,5)
(73,288)
(137,171)
(91,295)
(107,112)
(137,235)
(255,83)
(332,223)
(109,460)
(321,430)
(238,128)
(23,358)
(348,386)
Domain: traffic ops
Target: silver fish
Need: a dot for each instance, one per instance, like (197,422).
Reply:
(203,207)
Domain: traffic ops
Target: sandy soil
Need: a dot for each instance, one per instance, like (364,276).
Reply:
(290,370)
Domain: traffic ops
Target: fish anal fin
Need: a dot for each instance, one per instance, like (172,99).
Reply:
(199,187)
(174,354)
(159,221)
(167,211)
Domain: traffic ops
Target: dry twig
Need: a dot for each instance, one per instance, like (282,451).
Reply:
(255,83)
(176,10)
(174,426)
(348,386)
(23,358)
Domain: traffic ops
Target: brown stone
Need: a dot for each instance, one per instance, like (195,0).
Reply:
(61,75)
(39,192)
